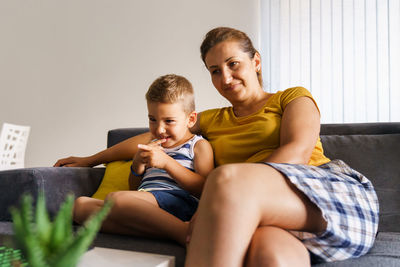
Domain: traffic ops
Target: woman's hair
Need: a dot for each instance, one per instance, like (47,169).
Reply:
(172,88)
(221,34)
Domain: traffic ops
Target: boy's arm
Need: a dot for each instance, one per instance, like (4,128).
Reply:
(134,181)
(139,166)
(137,170)
(193,182)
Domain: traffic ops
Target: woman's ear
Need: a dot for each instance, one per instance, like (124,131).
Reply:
(192,119)
(257,61)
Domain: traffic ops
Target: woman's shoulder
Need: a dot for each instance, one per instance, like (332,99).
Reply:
(286,96)
(294,92)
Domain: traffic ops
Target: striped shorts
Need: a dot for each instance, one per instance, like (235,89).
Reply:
(348,203)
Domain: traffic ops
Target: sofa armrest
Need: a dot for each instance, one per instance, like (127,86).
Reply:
(55,182)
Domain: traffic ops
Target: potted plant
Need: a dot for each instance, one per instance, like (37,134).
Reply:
(46,243)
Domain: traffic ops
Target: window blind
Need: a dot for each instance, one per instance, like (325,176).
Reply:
(346,52)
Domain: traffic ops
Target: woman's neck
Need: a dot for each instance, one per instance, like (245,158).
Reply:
(251,105)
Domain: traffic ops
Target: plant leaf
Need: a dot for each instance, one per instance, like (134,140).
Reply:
(43,223)
(27,214)
(25,233)
(62,225)
(83,239)
(60,248)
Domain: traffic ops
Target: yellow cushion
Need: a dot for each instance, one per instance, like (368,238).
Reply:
(116,178)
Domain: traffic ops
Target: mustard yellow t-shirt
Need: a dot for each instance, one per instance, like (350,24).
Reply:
(252,138)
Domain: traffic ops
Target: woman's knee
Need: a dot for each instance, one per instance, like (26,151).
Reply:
(223,177)
(222,183)
(272,246)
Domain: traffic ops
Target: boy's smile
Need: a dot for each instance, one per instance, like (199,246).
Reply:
(169,121)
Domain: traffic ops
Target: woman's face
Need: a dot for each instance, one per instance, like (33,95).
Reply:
(233,72)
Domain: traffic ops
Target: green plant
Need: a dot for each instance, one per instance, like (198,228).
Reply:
(53,244)
(10,257)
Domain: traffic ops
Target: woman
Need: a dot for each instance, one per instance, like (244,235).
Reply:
(275,199)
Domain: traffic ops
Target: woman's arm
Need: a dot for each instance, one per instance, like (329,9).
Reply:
(299,132)
(121,151)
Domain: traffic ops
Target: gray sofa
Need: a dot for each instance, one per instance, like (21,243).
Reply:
(371,148)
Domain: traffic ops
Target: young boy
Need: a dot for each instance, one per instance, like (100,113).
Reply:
(170,165)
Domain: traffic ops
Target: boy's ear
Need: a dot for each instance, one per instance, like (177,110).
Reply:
(192,119)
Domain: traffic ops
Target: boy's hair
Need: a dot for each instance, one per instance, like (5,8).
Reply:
(172,88)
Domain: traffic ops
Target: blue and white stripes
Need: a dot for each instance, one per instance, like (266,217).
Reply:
(158,179)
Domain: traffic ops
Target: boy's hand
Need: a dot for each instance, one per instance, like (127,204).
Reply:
(152,154)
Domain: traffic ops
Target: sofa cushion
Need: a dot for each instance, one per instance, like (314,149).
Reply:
(115,178)
(116,136)
(385,252)
(55,182)
(378,158)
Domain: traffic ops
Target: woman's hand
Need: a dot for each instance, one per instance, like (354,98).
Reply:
(73,162)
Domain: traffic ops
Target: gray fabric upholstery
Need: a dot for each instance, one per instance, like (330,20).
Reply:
(371,148)
(377,157)
(55,182)
(385,253)
(360,128)
(6,228)
(118,135)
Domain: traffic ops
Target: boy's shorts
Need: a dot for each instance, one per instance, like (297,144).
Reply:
(177,202)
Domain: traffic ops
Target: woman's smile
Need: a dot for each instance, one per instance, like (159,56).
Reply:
(232,87)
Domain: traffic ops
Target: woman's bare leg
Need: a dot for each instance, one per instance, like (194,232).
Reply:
(239,198)
(273,246)
(134,213)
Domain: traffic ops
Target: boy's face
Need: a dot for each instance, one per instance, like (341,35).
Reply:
(169,121)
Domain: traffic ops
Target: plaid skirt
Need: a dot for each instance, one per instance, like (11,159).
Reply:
(348,203)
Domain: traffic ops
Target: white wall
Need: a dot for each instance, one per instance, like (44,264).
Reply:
(347,52)
(74,69)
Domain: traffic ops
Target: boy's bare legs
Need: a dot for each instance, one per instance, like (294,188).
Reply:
(237,202)
(134,213)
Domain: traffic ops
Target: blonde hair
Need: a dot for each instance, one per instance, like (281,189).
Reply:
(221,34)
(172,88)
